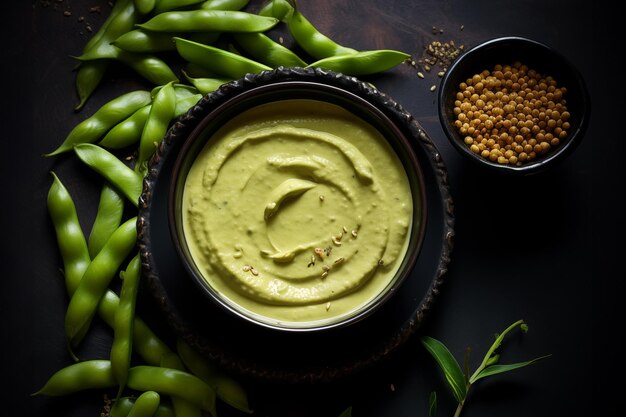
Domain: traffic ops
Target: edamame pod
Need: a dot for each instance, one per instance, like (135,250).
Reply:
(182,106)
(122,346)
(110,167)
(206,85)
(224,4)
(182,408)
(122,406)
(363,63)
(146,405)
(161,114)
(280,9)
(144,6)
(127,132)
(70,238)
(167,5)
(93,285)
(88,77)
(262,48)
(94,374)
(107,116)
(144,41)
(108,219)
(209,21)
(218,60)
(310,39)
(227,389)
(148,66)
(172,382)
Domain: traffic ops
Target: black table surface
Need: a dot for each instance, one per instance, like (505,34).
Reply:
(526,248)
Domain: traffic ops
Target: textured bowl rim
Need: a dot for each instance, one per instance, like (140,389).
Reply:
(382,349)
(543,163)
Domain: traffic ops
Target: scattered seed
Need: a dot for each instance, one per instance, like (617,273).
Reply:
(324,274)
(344,229)
(433,87)
(420,74)
(328,306)
(281,40)
(67,13)
(325,268)
(392,388)
(338,260)
(321,198)
(246,268)
(427,67)
(354,233)
(462,27)
(336,242)
(328,250)
(254,272)
(319,252)
(312,263)
(440,73)
(381,262)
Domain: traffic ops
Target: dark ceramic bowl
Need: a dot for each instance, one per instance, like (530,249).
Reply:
(541,58)
(279,88)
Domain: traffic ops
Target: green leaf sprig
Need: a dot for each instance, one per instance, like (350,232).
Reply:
(460,381)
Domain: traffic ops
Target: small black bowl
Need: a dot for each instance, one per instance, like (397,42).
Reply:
(541,58)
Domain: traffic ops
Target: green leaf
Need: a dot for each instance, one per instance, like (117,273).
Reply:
(449,366)
(432,404)
(347,412)
(496,344)
(498,369)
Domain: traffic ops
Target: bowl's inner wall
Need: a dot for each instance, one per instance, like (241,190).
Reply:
(297,90)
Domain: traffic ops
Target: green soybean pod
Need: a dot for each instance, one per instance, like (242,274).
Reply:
(182,408)
(144,6)
(363,63)
(161,114)
(218,60)
(148,66)
(143,41)
(122,346)
(88,77)
(122,406)
(107,116)
(120,22)
(93,285)
(224,4)
(209,21)
(262,48)
(182,106)
(108,219)
(167,5)
(110,167)
(226,388)
(94,374)
(310,39)
(70,238)
(146,405)
(206,85)
(128,131)
(279,9)
(174,383)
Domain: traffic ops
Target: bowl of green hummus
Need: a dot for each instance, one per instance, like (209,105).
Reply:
(296,204)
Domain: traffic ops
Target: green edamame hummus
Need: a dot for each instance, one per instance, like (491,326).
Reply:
(298,211)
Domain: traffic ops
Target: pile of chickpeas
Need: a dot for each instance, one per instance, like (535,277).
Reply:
(511,115)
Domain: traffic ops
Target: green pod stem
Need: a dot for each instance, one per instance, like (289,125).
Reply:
(206,85)
(168,5)
(120,22)
(122,346)
(182,408)
(146,405)
(88,77)
(363,63)
(224,4)
(279,9)
(227,389)
(217,60)
(107,116)
(93,285)
(265,50)
(149,67)
(108,219)
(127,132)
(70,238)
(174,383)
(144,6)
(110,167)
(161,114)
(312,40)
(143,41)
(183,106)
(122,406)
(94,374)
(209,21)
